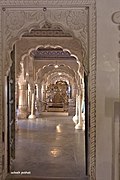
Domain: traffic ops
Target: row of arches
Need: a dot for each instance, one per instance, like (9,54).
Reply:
(74,48)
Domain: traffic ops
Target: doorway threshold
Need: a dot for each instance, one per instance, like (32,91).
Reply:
(54,113)
(16,177)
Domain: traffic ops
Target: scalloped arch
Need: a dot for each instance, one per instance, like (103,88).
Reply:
(72,48)
(55,71)
(74,51)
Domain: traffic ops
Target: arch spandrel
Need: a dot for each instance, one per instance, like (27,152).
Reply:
(20,21)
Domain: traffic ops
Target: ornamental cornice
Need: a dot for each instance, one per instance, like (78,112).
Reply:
(46,3)
(48,30)
(51,53)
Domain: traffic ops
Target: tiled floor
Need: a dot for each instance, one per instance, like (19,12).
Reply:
(49,147)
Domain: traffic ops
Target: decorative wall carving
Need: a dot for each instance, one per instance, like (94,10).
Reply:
(92,98)
(77,20)
(18,21)
(51,53)
(20,11)
(15,21)
(116,17)
(48,30)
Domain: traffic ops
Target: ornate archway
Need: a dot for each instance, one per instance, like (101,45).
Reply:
(46,42)
(15,21)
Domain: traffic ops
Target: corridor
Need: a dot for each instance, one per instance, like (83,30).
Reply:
(49,147)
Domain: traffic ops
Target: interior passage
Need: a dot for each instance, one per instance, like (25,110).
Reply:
(49,147)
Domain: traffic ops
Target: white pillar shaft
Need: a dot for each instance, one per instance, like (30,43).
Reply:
(37,92)
(79,125)
(32,116)
(40,97)
(75,118)
(80,119)
(28,101)
(32,104)
(23,101)
(76,104)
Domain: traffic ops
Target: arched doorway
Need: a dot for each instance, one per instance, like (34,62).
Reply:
(58,83)
(27,76)
(92,115)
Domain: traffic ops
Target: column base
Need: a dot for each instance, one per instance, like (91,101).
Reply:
(75,119)
(78,126)
(31,116)
(22,116)
(22,113)
(83,128)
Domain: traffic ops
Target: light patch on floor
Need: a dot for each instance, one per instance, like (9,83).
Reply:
(49,147)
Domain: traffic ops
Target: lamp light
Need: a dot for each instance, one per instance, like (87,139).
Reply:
(59,73)
(56,66)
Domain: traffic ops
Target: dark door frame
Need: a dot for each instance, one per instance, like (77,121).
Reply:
(11,112)
(87,124)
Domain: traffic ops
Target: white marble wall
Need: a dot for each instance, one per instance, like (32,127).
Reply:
(108,37)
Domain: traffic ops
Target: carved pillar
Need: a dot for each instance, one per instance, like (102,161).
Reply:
(39,98)
(16,93)
(31,101)
(79,125)
(75,118)
(23,101)
(32,116)
(74,91)
(83,107)
(29,98)
(44,97)
(36,100)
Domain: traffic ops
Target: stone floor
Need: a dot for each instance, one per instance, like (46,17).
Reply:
(49,147)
